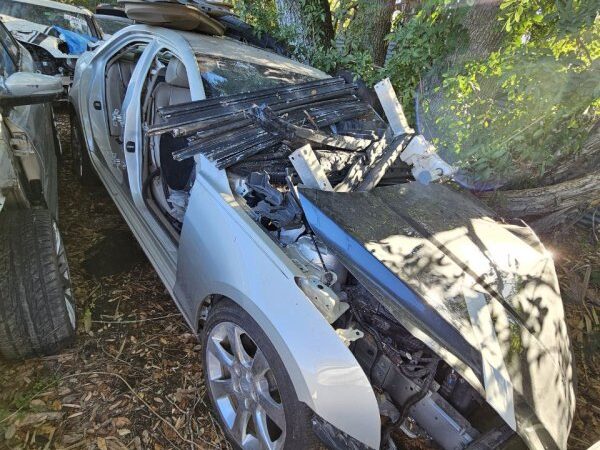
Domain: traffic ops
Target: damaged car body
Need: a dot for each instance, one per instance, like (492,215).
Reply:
(337,297)
(37,309)
(54,33)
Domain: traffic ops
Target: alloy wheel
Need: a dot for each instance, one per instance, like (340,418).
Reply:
(65,277)
(244,388)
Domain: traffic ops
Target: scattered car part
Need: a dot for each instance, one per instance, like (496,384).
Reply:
(309,168)
(392,108)
(190,15)
(239,30)
(426,163)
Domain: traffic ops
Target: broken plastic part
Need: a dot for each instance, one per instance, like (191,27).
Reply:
(427,165)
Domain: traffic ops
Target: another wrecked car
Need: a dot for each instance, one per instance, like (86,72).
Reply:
(110,19)
(37,310)
(338,299)
(54,33)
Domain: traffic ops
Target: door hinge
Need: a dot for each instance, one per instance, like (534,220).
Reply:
(21,145)
(117,118)
(118,162)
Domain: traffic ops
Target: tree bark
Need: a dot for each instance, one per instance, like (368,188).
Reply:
(574,166)
(582,192)
(371,24)
(574,185)
(302,18)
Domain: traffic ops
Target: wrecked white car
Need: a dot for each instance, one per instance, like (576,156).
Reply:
(54,33)
(338,299)
(37,313)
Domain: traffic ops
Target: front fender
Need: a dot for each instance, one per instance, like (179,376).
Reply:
(223,251)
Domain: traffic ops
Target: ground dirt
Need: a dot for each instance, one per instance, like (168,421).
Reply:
(133,379)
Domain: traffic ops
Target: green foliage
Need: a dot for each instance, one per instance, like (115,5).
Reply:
(262,15)
(511,115)
(424,41)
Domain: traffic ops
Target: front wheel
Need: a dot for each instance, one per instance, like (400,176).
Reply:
(37,309)
(249,387)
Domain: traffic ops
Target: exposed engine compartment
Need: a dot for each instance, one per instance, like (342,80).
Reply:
(418,392)
(383,259)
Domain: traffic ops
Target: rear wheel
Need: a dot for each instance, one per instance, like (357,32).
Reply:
(37,309)
(249,387)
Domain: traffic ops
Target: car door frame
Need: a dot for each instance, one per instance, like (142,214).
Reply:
(154,240)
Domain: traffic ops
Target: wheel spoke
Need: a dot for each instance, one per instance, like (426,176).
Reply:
(222,388)
(272,409)
(259,364)
(240,425)
(262,430)
(234,335)
(215,348)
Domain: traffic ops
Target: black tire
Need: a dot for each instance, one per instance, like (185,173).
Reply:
(34,317)
(82,166)
(298,416)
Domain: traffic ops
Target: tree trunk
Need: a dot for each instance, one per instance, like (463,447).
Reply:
(485,31)
(574,185)
(371,24)
(582,192)
(574,166)
(303,20)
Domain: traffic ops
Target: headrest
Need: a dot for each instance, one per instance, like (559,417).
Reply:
(176,74)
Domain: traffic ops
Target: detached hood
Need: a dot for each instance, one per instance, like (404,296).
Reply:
(481,293)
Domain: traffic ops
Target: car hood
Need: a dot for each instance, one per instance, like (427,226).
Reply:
(481,293)
(36,34)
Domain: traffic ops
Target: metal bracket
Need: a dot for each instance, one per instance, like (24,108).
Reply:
(309,168)
(392,108)
(348,335)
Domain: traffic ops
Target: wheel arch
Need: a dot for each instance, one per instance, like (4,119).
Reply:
(329,384)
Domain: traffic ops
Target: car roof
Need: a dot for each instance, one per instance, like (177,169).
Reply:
(230,48)
(56,5)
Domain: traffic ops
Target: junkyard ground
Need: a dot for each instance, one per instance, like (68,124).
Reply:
(133,379)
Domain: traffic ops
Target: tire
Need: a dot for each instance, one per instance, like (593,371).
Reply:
(82,166)
(37,310)
(223,320)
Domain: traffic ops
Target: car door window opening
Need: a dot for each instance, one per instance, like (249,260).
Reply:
(166,182)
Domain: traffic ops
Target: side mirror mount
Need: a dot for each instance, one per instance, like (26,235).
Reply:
(26,88)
